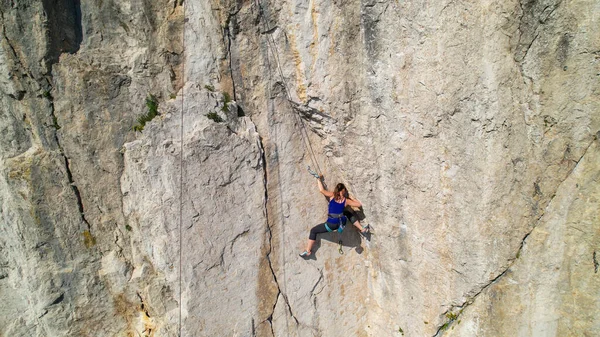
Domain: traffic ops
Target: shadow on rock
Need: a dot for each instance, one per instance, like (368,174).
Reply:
(350,237)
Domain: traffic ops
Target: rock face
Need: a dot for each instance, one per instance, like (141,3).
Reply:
(468,131)
(223,223)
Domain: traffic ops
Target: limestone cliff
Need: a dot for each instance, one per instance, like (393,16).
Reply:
(470,132)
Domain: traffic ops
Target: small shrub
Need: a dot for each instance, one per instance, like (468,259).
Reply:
(47,94)
(172,95)
(128,228)
(226,98)
(214,116)
(88,239)
(152,104)
(209,88)
(451,316)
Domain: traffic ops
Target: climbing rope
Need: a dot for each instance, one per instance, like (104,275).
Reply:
(181,171)
(303,131)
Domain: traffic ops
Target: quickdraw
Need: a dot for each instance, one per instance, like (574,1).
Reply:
(341,226)
(313,173)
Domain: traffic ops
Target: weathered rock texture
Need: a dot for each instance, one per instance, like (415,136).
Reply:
(468,130)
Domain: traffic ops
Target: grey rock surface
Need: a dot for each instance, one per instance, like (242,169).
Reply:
(221,233)
(549,288)
(469,131)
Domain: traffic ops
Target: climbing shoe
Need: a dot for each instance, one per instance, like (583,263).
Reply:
(304,254)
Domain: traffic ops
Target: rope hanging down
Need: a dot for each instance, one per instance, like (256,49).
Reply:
(304,132)
(273,47)
(181,168)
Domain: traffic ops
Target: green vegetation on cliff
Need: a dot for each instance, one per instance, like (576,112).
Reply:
(152,104)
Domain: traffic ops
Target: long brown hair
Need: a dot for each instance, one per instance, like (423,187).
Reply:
(337,192)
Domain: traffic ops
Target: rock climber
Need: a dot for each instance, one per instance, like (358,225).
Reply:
(338,199)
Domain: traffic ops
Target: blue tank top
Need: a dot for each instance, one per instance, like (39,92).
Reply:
(335,208)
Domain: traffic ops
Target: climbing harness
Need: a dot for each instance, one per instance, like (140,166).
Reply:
(342,224)
(341,217)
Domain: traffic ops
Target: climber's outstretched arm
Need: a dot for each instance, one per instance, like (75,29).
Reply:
(353,202)
(322,189)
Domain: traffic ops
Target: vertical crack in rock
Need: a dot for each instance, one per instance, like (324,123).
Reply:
(72,45)
(68,166)
(64,35)
(519,53)
(270,236)
(21,68)
(283,295)
(9,43)
(529,46)
(595,263)
(117,237)
(143,305)
(529,21)
(229,32)
(312,291)
(270,318)
(75,191)
(454,311)
(147,325)
(267,201)
(228,35)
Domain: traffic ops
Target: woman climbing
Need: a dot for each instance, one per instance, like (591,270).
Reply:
(338,199)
